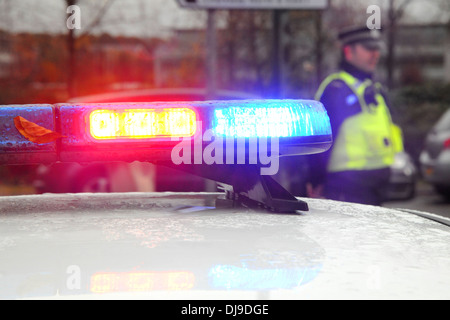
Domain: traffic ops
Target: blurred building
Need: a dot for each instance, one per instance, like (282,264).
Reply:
(422,54)
(126,63)
(179,62)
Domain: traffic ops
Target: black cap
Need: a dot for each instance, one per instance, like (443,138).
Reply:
(369,38)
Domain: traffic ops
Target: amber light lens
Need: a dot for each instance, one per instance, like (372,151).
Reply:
(142,123)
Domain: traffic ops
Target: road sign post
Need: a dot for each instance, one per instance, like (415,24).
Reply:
(278,7)
(211,55)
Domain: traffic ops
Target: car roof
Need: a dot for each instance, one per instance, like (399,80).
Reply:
(178,245)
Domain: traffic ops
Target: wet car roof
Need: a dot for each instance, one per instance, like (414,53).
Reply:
(172,245)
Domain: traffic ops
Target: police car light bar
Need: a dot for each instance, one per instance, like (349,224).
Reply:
(142,123)
(150,132)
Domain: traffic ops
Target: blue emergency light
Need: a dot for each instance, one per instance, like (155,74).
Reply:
(274,118)
(223,134)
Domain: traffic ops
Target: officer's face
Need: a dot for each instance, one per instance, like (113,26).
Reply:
(362,58)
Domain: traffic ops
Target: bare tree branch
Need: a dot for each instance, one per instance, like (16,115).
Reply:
(96,21)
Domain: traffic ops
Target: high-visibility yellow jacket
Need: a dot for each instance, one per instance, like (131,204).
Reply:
(368,139)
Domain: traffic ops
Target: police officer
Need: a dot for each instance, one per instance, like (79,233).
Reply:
(356,168)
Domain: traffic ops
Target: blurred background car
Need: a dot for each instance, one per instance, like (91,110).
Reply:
(435,157)
(402,183)
(128,177)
